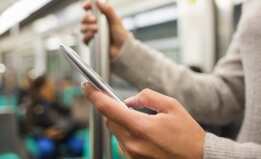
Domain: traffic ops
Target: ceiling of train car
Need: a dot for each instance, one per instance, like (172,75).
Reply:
(128,7)
(119,3)
(5,4)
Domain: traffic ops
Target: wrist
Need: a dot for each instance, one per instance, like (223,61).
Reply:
(200,146)
(115,48)
(198,151)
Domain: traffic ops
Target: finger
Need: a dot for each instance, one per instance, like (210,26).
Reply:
(117,130)
(150,99)
(122,135)
(122,148)
(87,37)
(89,18)
(108,11)
(113,110)
(87,6)
(91,28)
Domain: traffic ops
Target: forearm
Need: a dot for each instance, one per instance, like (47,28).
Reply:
(221,148)
(207,97)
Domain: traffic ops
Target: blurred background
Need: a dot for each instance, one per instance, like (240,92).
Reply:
(195,33)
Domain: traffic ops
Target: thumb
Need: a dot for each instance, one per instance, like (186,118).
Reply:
(153,100)
(108,11)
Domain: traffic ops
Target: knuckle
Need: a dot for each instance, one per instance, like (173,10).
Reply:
(174,101)
(174,104)
(88,28)
(91,19)
(144,95)
(88,18)
(87,6)
(145,92)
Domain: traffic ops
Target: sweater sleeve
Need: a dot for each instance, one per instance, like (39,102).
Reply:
(221,148)
(210,98)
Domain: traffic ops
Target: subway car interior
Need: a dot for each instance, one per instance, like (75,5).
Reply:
(195,33)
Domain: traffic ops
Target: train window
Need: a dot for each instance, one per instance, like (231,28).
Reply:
(157,28)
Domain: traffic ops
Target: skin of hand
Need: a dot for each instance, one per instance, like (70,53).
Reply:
(172,133)
(118,34)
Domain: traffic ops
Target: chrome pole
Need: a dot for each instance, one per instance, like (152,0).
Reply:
(100,136)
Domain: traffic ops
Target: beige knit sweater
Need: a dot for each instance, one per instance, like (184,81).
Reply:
(233,87)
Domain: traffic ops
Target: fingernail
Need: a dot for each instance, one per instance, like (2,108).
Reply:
(84,85)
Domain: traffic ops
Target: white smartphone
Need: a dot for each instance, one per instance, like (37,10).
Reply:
(89,73)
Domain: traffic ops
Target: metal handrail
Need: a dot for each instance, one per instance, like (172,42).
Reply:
(100,136)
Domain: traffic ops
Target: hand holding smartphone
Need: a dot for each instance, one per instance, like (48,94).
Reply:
(89,73)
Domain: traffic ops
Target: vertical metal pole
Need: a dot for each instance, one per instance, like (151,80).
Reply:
(14,32)
(100,136)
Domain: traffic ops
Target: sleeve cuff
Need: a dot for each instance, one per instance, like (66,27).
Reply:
(220,148)
(125,49)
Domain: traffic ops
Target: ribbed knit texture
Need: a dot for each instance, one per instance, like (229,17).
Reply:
(233,87)
(221,148)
